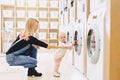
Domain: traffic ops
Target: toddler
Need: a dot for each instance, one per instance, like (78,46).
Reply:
(60,53)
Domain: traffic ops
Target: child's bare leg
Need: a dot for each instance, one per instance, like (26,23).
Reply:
(57,64)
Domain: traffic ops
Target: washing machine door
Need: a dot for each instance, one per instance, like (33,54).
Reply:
(69,35)
(77,41)
(93,43)
(69,38)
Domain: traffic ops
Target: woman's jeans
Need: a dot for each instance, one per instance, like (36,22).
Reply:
(23,57)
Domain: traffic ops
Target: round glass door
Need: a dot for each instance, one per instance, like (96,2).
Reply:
(77,42)
(93,45)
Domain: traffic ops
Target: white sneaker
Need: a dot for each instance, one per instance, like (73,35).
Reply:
(56,74)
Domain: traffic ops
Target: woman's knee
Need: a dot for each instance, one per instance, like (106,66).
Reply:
(10,59)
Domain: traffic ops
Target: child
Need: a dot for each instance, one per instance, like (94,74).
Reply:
(60,54)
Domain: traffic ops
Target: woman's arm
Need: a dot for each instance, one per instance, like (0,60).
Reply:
(35,41)
(64,47)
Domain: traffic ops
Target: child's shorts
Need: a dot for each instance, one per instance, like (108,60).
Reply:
(59,55)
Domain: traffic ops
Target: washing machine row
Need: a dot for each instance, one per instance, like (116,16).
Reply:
(95,44)
(76,36)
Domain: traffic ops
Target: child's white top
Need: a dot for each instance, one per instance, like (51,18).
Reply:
(60,52)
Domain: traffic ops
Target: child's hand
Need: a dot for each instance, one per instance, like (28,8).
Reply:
(74,43)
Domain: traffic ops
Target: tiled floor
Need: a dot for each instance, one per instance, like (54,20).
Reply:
(46,66)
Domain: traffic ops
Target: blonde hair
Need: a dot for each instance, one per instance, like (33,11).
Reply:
(29,28)
(61,34)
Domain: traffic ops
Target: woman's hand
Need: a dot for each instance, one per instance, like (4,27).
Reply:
(37,46)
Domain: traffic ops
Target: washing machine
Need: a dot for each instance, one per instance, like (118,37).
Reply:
(78,48)
(81,5)
(95,44)
(71,12)
(96,4)
(69,36)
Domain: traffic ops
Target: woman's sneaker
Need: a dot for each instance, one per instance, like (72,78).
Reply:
(56,74)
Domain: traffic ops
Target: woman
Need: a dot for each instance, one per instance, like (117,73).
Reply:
(23,51)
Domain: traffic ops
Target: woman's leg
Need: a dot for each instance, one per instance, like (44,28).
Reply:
(26,61)
(33,52)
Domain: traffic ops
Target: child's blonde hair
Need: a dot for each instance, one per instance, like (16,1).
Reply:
(29,28)
(61,34)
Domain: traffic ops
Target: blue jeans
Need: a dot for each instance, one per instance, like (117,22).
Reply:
(23,57)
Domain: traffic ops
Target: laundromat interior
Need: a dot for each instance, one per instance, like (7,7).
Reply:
(91,28)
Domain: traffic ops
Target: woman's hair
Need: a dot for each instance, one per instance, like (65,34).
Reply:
(29,28)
